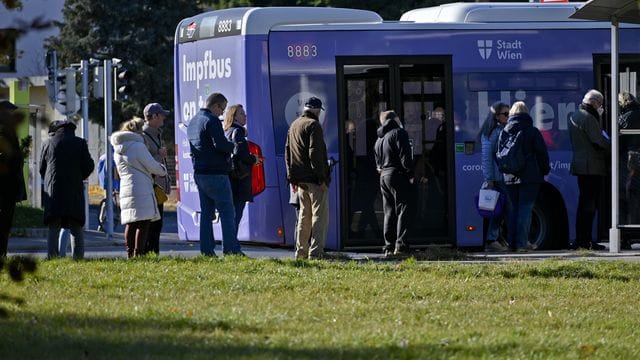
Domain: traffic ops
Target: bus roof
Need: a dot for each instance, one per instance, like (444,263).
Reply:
(257,21)
(494,13)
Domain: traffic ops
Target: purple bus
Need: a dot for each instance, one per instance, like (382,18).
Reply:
(439,68)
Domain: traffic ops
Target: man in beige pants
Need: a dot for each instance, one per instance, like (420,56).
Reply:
(308,172)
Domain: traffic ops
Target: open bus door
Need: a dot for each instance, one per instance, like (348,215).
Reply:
(629,80)
(419,90)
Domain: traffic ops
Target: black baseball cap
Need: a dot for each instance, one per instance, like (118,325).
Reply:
(7,105)
(314,103)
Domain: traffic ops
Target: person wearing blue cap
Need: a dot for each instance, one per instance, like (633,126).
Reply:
(308,172)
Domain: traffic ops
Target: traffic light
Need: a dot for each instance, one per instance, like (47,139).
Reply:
(51,61)
(67,98)
(122,84)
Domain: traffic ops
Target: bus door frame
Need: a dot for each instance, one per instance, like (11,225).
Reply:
(395,95)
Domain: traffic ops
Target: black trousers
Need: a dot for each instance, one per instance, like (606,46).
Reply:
(153,234)
(395,199)
(7,210)
(589,187)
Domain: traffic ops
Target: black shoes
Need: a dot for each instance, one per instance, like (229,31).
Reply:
(588,246)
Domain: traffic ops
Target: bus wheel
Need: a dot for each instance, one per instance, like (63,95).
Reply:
(548,224)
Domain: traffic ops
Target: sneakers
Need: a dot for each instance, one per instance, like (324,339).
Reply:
(495,246)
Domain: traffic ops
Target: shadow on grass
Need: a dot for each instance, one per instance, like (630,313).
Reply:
(577,270)
(73,336)
(435,253)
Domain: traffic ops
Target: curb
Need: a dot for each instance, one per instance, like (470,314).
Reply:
(29,233)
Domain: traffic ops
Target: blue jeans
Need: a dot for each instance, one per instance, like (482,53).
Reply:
(493,230)
(215,193)
(522,197)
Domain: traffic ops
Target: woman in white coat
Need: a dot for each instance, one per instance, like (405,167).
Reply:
(136,167)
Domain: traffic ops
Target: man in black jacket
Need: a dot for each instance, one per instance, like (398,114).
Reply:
(308,172)
(64,165)
(395,165)
(12,189)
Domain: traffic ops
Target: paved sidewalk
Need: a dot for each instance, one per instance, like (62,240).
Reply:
(97,246)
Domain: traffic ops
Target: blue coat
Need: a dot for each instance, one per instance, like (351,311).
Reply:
(210,149)
(489,145)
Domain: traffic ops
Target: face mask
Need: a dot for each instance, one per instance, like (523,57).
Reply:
(600,110)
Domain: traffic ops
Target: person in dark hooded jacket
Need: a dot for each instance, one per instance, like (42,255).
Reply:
(395,165)
(629,164)
(65,163)
(12,188)
(523,188)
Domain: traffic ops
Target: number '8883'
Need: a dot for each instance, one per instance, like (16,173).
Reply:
(302,51)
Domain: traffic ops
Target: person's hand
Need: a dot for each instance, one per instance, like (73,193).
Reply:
(411,180)
(162,152)
(259,160)
(294,187)
(323,187)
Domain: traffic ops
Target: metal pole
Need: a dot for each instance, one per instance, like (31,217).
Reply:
(614,231)
(84,68)
(108,123)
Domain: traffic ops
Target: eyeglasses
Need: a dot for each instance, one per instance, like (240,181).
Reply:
(504,113)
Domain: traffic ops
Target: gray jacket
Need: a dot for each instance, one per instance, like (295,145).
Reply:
(153,141)
(590,147)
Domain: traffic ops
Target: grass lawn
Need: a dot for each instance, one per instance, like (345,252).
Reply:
(209,308)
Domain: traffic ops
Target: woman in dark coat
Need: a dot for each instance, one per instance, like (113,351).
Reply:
(242,161)
(523,188)
(12,189)
(630,164)
(65,164)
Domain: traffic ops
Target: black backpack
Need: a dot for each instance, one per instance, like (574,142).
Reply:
(239,170)
(510,155)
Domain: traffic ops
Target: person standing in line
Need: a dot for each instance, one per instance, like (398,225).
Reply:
(395,165)
(210,154)
(591,147)
(13,189)
(235,121)
(136,167)
(489,133)
(523,188)
(64,165)
(154,117)
(629,164)
(308,172)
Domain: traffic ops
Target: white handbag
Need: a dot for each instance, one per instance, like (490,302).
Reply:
(487,199)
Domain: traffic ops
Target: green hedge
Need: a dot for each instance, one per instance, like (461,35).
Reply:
(28,217)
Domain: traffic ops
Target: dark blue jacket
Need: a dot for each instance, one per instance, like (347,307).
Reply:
(534,148)
(210,149)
